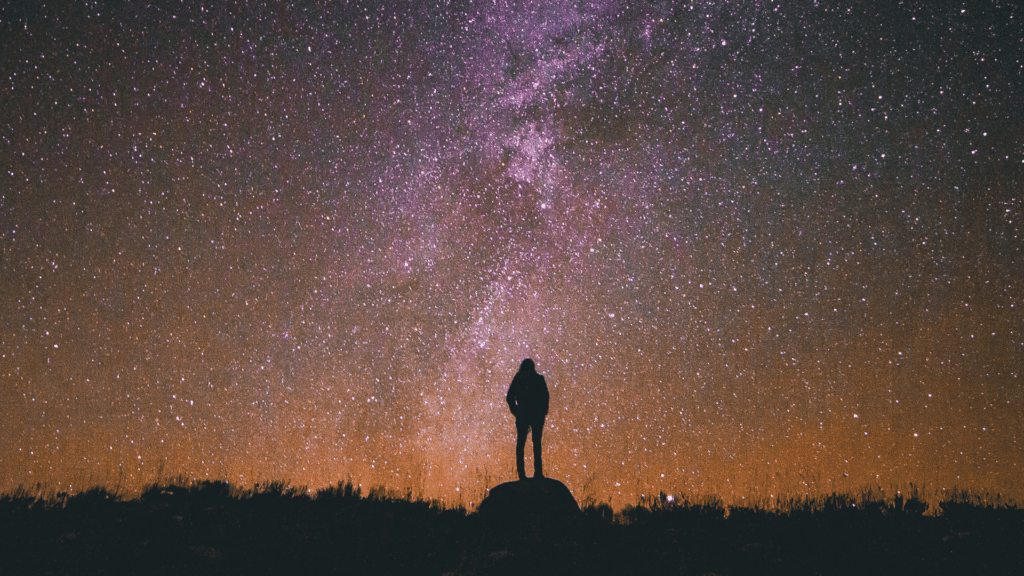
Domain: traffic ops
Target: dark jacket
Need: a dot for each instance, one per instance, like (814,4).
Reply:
(528,396)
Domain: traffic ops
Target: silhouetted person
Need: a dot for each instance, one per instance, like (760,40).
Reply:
(528,400)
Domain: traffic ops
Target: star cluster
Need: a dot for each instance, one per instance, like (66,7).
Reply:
(756,248)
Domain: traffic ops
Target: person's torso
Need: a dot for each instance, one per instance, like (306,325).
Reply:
(531,395)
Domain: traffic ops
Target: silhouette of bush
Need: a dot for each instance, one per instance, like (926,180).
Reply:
(90,499)
(344,491)
(910,504)
(601,513)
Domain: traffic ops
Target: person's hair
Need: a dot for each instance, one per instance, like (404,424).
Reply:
(528,366)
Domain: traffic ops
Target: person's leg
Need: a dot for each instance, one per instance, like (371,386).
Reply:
(521,431)
(538,430)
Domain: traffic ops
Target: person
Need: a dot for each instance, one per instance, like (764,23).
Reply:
(528,400)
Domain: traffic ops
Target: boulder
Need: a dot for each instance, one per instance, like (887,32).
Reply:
(529,502)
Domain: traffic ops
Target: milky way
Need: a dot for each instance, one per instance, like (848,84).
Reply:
(756,248)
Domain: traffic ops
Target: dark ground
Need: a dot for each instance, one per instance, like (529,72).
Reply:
(208,528)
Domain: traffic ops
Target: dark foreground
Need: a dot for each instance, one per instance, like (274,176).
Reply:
(206,528)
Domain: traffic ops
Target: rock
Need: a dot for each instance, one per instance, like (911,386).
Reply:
(529,502)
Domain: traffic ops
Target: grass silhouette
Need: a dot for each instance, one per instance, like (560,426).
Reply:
(184,526)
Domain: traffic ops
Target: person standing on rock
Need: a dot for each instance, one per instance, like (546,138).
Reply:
(528,400)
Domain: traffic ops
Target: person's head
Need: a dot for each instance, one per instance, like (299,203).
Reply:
(528,366)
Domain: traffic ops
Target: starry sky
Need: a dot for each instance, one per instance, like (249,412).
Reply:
(757,248)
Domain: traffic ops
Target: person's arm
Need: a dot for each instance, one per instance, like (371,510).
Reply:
(510,397)
(545,397)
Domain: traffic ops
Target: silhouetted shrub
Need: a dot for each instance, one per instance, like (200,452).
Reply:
(599,512)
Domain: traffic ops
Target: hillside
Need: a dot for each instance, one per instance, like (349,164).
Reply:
(209,527)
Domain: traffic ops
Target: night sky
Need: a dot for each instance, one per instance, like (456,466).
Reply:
(756,248)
